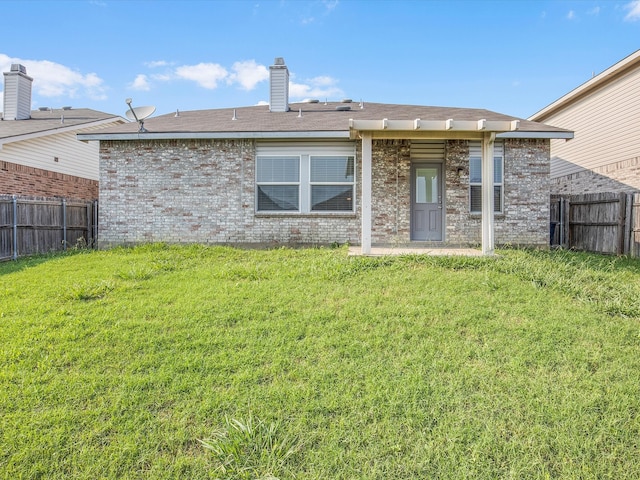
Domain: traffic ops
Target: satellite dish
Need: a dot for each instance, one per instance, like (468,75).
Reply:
(139,114)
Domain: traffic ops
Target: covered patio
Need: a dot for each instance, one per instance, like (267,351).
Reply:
(481,129)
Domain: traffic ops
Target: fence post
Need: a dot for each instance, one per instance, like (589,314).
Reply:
(95,224)
(89,212)
(635,198)
(567,222)
(15,227)
(622,211)
(628,223)
(64,224)
(561,220)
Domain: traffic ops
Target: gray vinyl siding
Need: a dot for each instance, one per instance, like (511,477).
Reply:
(606,125)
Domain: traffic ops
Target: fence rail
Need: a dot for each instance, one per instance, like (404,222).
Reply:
(30,225)
(597,222)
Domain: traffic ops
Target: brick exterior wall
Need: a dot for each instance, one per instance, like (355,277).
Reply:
(525,220)
(204,191)
(618,177)
(22,180)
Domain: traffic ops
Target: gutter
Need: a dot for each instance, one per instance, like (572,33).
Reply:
(86,137)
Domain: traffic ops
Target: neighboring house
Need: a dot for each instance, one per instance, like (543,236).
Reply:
(39,152)
(318,173)
(604,113)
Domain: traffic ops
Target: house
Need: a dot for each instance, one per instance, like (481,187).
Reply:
(604,113)
(39,152)
(324,172)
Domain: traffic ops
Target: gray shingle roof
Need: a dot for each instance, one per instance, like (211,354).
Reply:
(305,117)
(50,121)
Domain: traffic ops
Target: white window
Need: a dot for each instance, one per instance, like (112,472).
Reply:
(332,183)
(305,183)
(278,183)
(475,177)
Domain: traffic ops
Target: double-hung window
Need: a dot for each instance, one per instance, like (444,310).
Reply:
(278,183)
(475,177)
(309,183)
(332,182)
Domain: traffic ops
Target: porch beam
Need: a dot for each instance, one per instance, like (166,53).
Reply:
(487,194)
(366,194)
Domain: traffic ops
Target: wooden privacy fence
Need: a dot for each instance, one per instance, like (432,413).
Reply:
(597,222)
(30,225)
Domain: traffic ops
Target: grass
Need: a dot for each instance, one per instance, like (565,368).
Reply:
(167,362)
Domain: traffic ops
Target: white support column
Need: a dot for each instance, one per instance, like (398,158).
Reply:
(487,193)
(365,210)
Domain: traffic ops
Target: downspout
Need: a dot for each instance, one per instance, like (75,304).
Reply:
(487,194)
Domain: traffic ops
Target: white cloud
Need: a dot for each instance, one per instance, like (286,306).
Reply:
(141,83)
(571,15)
(330,5)
(52,79)
(156,64)
(634,11)
(319,87)
(594,11)
(207,75)
(248,74)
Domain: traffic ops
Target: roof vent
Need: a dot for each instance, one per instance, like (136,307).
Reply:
(66,108)
(312,100)
(346,100)
(343,108)
(44,109)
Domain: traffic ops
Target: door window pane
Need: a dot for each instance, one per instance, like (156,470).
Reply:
(426,185)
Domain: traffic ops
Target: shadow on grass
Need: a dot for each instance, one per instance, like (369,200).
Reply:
(30,261)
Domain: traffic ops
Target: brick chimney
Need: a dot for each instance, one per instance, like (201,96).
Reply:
(17,93)
(279,86)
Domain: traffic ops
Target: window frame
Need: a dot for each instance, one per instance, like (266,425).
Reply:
(305,185)
(351,183)
(258,183)
(498,198)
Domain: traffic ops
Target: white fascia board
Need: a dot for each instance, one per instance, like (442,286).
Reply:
(55,131)
(85,137)
(542,135)
(433,125)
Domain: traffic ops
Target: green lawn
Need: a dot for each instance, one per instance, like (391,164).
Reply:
(163,362)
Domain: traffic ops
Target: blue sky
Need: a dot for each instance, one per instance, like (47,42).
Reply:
(510,56)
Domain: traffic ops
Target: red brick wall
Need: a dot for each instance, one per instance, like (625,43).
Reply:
(22,180)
